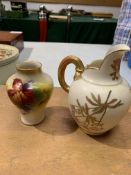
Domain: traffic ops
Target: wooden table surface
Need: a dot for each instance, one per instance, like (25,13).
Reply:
(57,146)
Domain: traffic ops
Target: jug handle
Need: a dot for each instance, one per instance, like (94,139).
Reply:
(62,67)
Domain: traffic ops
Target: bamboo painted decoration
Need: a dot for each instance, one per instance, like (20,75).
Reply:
(94,110)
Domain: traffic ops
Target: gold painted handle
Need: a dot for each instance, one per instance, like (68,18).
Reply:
(61,70)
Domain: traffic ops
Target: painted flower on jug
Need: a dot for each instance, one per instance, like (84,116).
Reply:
(115,69)
(91,114)
(28,95)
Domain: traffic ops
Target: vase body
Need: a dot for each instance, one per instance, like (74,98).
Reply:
(98,97)
(30,89)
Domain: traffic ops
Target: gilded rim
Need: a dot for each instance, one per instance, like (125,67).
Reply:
(29,66)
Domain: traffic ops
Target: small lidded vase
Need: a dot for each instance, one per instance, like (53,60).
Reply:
(30,89)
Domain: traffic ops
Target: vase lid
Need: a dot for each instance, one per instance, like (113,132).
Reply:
(8,53)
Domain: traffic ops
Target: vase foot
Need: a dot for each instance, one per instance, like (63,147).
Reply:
(91,133)
(31,119)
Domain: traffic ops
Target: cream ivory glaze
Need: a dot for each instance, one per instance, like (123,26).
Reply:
(98,97)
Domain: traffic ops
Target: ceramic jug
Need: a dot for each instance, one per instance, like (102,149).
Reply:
(30,89)
(98,97)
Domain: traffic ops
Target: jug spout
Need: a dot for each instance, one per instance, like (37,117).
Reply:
(112,60)
(108,71)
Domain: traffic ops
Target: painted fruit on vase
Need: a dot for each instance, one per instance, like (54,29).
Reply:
(28,95)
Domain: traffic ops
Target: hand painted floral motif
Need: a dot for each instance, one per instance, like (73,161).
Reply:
(28,95)
(116,67)
(91,117)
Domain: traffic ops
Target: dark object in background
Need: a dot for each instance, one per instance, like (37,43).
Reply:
(69,13)
(2,9)
(129,60)
(76,12)
(12,38)
(43,17)
(18,9)
(18,5)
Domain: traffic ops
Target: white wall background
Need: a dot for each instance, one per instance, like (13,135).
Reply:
(58,7)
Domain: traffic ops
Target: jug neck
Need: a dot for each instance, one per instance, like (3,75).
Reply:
(107,72)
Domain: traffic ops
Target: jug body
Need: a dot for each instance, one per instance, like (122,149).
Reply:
(98,108)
